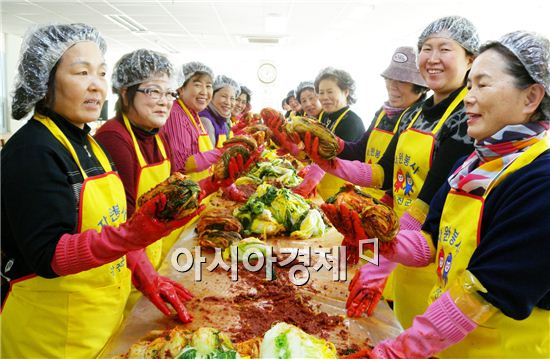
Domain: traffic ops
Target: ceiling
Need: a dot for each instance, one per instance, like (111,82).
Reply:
(358,35)
(175,25)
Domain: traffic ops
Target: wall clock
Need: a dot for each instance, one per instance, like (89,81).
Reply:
(267,73)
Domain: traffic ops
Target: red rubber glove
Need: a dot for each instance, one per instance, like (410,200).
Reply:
(362,354)
(78,252)
(367,286)
(347,222)
(236,168)
(311,147)
(276,121)
(312,175)
(158,289)
(234,194)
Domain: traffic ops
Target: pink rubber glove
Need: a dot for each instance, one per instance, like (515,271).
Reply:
(202,160)
(408,248)
(441,326)
(356,172)
(158,289)
(312,175)
(78,252)
(367,286)
(409,222)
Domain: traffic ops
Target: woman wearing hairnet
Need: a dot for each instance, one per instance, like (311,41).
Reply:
(309,100)
(187,137)
(417,160)
(492,297)
(242,105)
(218,111)
(294,104)
(143,80)
(64,235)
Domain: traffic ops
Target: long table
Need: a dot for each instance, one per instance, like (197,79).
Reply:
(326,295)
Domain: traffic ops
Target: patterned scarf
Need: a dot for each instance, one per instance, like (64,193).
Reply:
(494,154)
(392,112)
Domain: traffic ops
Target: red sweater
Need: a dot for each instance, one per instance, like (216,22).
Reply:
(115,138)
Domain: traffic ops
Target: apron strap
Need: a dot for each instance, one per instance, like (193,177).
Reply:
(450,109)
(196,121)
(399,120)
(338,120)
(379,118)
(141,159)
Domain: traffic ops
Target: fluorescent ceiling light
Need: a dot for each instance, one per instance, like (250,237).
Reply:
(262,40)
(127,23)
(167,46)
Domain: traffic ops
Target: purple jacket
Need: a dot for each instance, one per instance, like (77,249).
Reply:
(220,123)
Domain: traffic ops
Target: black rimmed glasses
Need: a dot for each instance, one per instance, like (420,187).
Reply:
(157,94)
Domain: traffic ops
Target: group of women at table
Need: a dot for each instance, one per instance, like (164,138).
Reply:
(466,170)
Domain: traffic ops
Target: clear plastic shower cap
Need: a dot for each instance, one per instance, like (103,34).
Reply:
(41,49)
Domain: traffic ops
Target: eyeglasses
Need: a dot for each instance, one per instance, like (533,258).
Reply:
(156,94)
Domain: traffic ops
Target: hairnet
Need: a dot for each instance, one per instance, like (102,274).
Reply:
(245,90)
(139,66)
(41,49)
(224,81)
(533,51)
(290,94)
(458,28)
(304,85)
(193,68)
(344,80)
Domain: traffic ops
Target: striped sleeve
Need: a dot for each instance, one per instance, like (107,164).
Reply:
(181,136)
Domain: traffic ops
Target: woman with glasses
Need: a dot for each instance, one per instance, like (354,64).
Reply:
(65,237)
(143,80)
(225,93)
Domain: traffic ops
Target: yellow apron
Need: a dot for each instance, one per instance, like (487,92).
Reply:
(222,138)
(500,336)
(72,316)
(330,184)
(413,160)
(204,142)
(376,146)
(149,176)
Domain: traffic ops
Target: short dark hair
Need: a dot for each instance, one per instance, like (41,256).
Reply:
(120,108)
(49,99)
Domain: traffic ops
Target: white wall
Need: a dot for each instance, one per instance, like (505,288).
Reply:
(12,44)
